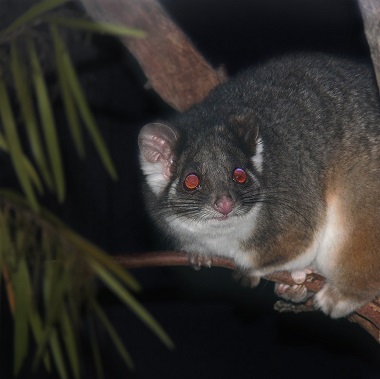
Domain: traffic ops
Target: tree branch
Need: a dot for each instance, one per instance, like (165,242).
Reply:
(370,11)
(368,316)
(175,69)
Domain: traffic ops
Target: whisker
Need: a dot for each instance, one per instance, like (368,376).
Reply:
(194,211)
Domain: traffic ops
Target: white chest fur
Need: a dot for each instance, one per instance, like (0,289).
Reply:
(221,238)
(224,239)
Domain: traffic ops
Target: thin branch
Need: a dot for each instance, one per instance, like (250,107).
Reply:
(367,316)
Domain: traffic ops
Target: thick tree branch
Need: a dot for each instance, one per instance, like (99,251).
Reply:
(370,10)
(367,316)
(173,66)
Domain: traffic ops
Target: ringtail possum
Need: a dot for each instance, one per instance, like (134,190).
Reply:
(277,169)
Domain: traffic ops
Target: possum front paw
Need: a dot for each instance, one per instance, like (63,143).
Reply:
(335,304)
(199,260)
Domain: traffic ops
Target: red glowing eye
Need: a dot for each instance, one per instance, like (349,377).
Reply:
(191,182)
(239,176)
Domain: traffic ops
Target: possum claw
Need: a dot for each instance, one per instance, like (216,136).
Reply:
(199,260)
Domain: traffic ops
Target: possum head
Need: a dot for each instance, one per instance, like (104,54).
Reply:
(203,175)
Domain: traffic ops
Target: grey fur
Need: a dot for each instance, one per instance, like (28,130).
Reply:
(318,119)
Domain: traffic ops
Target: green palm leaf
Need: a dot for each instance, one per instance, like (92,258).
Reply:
(47,120)
(21,333)
(29,168)
(35,11)
(14,145)
(39,250)
(114,285)
(36,326)
(30,120)
(70,342)
(97,358)
(68,101)
(83,107)
(96,27)
(113,335)
(57,353)
(63,252)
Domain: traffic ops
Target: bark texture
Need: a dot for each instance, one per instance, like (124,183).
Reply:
(173,66)
(370,11)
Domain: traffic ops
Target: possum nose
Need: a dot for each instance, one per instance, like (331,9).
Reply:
(224,205)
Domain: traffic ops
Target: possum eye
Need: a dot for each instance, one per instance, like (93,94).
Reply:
(191,182)
(239,176)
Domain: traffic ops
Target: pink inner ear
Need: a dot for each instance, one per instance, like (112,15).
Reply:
(167,170)
(157,143)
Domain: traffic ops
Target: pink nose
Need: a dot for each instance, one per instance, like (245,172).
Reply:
(224,205)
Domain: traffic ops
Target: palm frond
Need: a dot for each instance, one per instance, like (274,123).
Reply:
(49,271)
(31,14)
(47,120)
(79,98)
(25,99)
(70,266)
(96,27)
(14,145)
(22,39)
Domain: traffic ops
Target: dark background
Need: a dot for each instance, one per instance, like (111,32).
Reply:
(221,329)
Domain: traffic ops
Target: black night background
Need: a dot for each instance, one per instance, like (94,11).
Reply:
(221,329)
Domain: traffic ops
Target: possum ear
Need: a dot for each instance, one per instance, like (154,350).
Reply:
(246,125)
(157,143)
